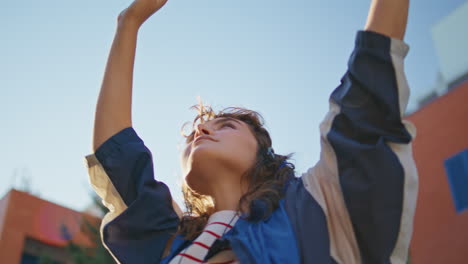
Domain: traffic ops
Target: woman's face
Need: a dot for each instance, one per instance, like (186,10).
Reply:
(228,146)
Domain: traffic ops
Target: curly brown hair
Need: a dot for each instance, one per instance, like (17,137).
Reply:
(266,180)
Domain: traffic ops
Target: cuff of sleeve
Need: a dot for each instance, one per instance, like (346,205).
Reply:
(112,145)
(374,40)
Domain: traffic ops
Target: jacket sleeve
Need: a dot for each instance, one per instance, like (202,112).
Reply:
(366,179)
(141,215)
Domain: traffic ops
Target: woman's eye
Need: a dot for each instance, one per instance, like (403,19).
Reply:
(228,124)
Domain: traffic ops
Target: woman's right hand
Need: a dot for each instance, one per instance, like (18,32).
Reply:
(140,10)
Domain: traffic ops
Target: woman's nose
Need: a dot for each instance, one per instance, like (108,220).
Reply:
(202,129)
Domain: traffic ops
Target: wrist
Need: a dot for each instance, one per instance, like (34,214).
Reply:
(127,20)
(128,23)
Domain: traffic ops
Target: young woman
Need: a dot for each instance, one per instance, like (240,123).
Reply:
(244,202)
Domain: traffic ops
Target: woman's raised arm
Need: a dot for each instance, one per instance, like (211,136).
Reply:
(388,17)
(366,180)
(142,215)
(113,110)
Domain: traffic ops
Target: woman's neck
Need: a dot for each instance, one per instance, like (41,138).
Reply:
(226,196)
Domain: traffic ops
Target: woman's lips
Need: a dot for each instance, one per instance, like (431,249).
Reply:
(203,137)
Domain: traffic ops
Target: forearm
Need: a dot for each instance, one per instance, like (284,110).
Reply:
(388,17)
(113,110)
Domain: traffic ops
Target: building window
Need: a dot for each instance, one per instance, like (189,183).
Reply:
(35,252)
(457,173)
(29,259)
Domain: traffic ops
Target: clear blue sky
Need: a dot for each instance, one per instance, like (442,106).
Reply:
(280,58)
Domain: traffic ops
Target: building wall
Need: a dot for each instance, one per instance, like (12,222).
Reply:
(440,234)
(29,218)
(450,37)
(3,210)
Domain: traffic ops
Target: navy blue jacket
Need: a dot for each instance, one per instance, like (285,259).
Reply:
(355,205)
